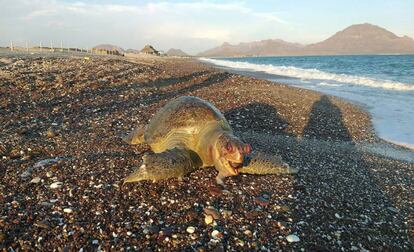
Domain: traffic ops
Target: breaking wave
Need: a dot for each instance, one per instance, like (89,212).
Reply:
(315,74)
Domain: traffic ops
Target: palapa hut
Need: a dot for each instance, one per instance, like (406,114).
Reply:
(148,49)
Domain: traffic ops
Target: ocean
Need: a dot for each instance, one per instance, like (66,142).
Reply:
(382,84)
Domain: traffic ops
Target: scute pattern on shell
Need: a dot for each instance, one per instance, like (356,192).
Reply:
(181,113)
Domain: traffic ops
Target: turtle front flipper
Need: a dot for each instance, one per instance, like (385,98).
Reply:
(172,163)
(261,163)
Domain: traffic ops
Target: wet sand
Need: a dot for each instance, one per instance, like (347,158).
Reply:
(72,112)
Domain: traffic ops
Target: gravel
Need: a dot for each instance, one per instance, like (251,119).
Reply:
(62,119)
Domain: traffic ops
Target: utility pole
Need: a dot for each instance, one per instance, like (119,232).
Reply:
(11,45)
(40,46)
(51,46)
(27,47)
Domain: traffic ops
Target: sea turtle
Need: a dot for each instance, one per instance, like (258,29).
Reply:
(190,133)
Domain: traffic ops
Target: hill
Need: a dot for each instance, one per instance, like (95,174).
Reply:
(363,39)
(109,47)
(355,39)
(132,51)
(176,52)
(256,48)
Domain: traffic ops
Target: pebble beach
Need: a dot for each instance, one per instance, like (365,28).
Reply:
(63,163)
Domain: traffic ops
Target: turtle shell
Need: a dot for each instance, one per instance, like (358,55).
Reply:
(186,114)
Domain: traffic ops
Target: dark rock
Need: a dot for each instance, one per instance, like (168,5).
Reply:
(153,229)
(261,201)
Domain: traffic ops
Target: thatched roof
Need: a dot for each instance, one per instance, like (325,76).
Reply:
(148,49)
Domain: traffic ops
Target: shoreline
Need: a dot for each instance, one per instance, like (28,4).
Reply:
(271,77)
(303,55)
(74,111)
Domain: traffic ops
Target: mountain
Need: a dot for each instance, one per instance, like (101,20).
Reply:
(355,39)
(363,39)
(176,52)
(132,51)
(109,48)
(256,48)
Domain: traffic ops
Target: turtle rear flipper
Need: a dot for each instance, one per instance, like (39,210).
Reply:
(172,163)
(136,136)
(260,163)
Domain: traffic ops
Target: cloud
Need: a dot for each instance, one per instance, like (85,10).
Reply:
(130,24)
(216,34)
(270,17)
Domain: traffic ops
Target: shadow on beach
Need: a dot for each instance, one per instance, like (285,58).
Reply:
(258,116)
(337,196)
(85,106)
(325,122)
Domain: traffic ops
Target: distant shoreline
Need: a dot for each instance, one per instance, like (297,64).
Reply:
(303,55)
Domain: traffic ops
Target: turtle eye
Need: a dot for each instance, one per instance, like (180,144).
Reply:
(229,147)
(247,148)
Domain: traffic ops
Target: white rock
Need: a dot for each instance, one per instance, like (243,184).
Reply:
(45,162)
(216,234)
(292,238)
(35,180)
(56,185)
(68,210)
(190,229)
(129,233)
(208,219)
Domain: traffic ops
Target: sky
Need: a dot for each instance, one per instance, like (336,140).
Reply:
(192,26)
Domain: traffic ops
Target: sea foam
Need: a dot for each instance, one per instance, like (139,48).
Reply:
(315,74)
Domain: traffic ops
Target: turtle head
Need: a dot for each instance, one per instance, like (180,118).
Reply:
(229,154)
